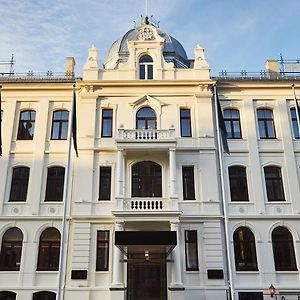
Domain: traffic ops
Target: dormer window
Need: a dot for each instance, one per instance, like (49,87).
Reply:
(146,67)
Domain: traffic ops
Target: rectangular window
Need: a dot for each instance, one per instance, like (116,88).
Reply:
(102,250)
(185,122)
(107,118)
(188,183)
(105,183)
(191,250)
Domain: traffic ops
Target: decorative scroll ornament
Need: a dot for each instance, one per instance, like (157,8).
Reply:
(146,34)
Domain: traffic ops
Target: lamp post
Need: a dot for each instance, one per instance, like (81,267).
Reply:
(272,291)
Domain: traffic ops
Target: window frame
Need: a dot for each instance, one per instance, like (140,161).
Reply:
(282,249)
(54,183)
(41,294)
(186,189)
(21,182)
(294,123)
(244,248)
(108,198)
(182,119)
(194,241)
(232,134)
(15,248)
(50,246)
(110,122)
(276,182)
(103,246)
(241,183)
(27,126)
(264,121)
(148,68)
(61,122)
(139,181)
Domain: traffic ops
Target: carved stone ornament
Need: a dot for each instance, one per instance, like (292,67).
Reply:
(146,34)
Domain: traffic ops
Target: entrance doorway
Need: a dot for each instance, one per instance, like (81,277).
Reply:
(146,279)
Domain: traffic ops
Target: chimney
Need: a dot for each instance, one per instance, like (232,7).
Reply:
(272,66)
(70,66)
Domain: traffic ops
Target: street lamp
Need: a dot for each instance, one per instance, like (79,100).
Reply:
(272,290)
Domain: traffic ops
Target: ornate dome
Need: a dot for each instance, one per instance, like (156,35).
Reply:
(173,50)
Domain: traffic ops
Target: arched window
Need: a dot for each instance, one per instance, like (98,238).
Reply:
(283,250)
(266,124)
(244,250)
(232,123)
(26,125)
(274,185)
(146,118)
(44,295)
(238,183)
(146,67)
(11,250)
(60,125)
(295,123)
(146,179)
(7,295)
(55,184)
(49,249)
(19,184)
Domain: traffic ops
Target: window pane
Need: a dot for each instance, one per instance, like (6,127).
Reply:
(55,184)
(266,124)
(283,250)
(232,123)
(102,250)
(146,179)
(60,125)
(26,125)
(244,250)
(191,250)
(19,184)
(185,123)
(7,295)
(238,183)
(49,250)
(105,183)
(106,123)
(188,183)
(295,123)
(150,72)
(11,249)
(142,72)
(44,296)
(274,184)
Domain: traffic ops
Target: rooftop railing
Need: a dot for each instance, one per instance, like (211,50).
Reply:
(258,75)
(35,76)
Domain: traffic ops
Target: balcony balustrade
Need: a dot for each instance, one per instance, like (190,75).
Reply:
(146,204)
(146,135)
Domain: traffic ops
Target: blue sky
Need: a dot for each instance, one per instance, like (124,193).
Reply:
(236,34)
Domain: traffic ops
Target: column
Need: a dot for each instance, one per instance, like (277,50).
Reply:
(117,276)
(120,173)
(173,181)
(176,272)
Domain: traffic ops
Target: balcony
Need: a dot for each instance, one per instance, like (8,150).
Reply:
(152,204)
(140,138)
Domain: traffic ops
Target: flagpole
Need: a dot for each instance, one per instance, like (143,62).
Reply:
(296,108)
(224,204)
(64,234)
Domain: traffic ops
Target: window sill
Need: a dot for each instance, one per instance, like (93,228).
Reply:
(247,272)
(277,202)
(287,272)
(46,272)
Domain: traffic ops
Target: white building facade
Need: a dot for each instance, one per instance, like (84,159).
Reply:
(145,218)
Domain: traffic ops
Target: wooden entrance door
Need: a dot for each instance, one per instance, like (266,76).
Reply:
(146,280)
